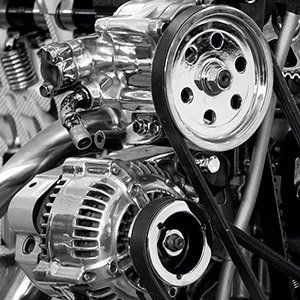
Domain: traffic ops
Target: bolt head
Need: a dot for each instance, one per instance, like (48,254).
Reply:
(213,164)
(174,242)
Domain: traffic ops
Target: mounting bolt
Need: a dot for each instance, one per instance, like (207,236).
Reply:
(88,276)
(209,164)
(174,242)
(135,190)
(115,170)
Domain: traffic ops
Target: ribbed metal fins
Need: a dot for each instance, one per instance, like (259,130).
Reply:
(45,218)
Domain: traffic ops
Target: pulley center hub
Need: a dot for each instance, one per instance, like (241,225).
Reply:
(214,79)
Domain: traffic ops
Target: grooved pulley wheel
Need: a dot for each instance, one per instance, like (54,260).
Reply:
(218,76)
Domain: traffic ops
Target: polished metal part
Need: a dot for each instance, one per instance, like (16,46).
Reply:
(17,65)
(219,83)
(44,151)
(71,119)
(84,225)
(117,59)
(175,210)
(209,164)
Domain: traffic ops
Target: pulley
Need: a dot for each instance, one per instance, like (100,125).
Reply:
(218,76)
(170,245)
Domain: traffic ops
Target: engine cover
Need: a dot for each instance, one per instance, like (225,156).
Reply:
(73,229)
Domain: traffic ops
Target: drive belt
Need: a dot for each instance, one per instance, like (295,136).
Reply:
(139,252)
(192,171)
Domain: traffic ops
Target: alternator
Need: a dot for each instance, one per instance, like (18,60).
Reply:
(73,230)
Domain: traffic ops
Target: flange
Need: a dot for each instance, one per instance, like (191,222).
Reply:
(171,237)
(218,75)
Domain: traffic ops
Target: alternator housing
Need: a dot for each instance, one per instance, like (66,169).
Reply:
(73,229)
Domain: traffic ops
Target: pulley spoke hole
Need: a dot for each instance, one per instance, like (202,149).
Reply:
(187,95)
(240,64)
(209,117)
(217,40)
(29,245)
(236,101)
(191,55)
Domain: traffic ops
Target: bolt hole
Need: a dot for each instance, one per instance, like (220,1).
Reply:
(209,117)
(236,101)
(187,95)
(28,245)
(191,55)
(240,64)
(32,184)
(217,40)
(179,276)
(113,268)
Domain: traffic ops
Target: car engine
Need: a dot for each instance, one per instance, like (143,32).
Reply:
(172,170)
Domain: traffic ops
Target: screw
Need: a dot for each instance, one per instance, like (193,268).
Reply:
(140,126)
(155,128)
(115,170)
(145,127)
(87,276)
(209,164)
(135,189)
(174,242)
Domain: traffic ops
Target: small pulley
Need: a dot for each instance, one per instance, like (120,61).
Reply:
(170,245)
(218,75)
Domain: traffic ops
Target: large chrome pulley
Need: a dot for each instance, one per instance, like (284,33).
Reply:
(218,76)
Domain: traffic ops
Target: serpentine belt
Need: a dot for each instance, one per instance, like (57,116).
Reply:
(224,230)
(194,174)
(139,252)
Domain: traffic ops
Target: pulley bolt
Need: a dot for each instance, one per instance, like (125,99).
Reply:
(174,242)
(209,164)
(214,79)
(143,127)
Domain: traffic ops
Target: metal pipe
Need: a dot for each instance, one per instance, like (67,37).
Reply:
(258,157)
(44,151)
(71,119)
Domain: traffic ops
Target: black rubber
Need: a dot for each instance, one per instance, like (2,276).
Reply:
(174,32)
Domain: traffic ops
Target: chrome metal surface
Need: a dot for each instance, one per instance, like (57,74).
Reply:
(17,64)
(116,61)
(176,210)
(43,151)
(81,234)
(73,223)
(219,83)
